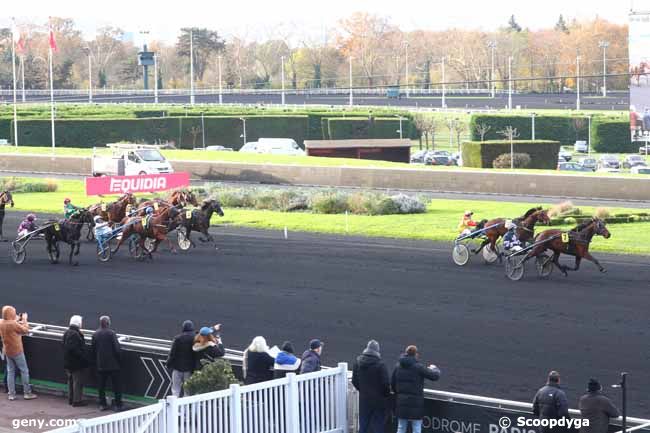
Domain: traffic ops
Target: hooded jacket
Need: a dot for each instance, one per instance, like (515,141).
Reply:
(408,383)
(181,355)
(259,367)
(551,402)
(370,378)
(285,363)
(208,351)
(598,409)
(12,331)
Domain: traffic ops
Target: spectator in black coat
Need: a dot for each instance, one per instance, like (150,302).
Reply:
(311,357)
(370,378)
(207,346)
(285,361)
(258,364)
(408,383)
(75,361)
(550,402)
(106,353)
(181,357)
(597,408)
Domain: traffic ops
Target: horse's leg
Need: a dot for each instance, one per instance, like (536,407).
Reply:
(556,261)
(588,256)
(72,250)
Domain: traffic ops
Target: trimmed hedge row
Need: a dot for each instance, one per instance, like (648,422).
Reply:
(367,128)
(612,136)
(555,128)
(543,153)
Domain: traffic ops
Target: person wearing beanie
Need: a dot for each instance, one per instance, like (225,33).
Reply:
(551,402)
(285,361)
(370,378)
(597,408)
(207,346)
(181,357)
(258,364)
(408,383)
(311,358)
(75,361)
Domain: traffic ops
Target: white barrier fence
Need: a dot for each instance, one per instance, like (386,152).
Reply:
(309,403)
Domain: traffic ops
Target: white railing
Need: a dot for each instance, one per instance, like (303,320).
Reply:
(309,403)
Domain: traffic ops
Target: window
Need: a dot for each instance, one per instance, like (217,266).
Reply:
(133,157)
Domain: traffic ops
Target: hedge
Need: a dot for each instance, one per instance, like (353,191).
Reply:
(367,128)
(612,136)
(555,128)
(543,153)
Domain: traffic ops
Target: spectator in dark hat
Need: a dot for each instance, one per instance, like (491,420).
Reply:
(597,408)
(408,383)
(311,358)
(75,361)
(207,346)
(550,402)
(106,353)
(370,378)
(181,357)
(285,361)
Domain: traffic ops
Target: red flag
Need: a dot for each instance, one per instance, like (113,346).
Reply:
(53,41)
(20,45)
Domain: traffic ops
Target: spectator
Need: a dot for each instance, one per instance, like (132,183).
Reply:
(106,353)
(75,361)
(5,198)
(370,378)
(408,383)
(181,357)
(258,364)
(11,332)
(597,408)
(550,401)
(311,357)
(286,361)
(207,346)
(646,119)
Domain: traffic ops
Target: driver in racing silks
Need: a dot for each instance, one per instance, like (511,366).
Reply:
(510,240)
(147,217)
(69,209)
(468,226)
(102,228)
(28,225)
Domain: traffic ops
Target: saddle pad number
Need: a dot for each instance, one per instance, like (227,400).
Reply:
(155,205)
(565,238)
(188,214)
(103,207)
(57,227)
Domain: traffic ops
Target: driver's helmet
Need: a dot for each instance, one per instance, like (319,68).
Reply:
(66,200)
(469,213)
(98,219)
(510,225)
(31,217)
(148,210)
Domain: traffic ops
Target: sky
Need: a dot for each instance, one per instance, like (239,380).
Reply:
(257,19)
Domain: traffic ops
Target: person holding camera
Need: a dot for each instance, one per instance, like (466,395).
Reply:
(12,329)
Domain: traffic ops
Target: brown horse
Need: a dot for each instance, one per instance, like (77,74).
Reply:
(178,199)
(5,199)
(113,212)
(574,243)
(525,227)
(155,228)
(198,220)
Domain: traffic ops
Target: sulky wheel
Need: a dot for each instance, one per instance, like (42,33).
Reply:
(460,254)
(544,265)
(514,268)
(184,242)
(17,252)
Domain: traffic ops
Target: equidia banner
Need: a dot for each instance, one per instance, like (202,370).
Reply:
(142,183)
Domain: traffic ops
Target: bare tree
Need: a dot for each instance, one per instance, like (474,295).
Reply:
(482,129)
(510,133)
(459,128)
(432,127)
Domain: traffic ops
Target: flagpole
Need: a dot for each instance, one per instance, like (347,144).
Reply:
(22,71)
(52,100)
(13,67)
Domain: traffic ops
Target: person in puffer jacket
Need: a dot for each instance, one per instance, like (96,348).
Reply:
(286,361)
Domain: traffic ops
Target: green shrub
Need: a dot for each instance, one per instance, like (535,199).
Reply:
(554,128)
(570,221)
(611,136)
(214,376)
(518,160)
(235,198)
(543,153)
(329,203)
(17,185)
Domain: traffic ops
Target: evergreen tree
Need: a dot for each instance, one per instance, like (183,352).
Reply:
(561,26)
(513,25)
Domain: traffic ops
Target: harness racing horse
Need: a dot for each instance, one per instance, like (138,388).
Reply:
(178,199)
(525,227)
(574,243)
(154,227)
(198,220)
(113,212)
(68,231)
(5,199)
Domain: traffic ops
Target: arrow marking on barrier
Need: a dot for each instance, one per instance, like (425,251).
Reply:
(163,366)
(146,393)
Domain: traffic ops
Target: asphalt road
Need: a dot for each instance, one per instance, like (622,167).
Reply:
(614,101)
(489,335)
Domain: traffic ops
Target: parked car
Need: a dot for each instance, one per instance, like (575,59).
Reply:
(644,150)
(249,147)
(219,148)
(609,161)
(640,169)
(608,170)
(565,155)
(418,157)
(580,146)
(590,163)
(634,161)
(571,166)
(441,153)
(432,159)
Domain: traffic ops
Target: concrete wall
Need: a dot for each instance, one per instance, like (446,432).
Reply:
(575,186)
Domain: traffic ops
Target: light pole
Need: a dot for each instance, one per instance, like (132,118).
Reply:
(400,130)
(604,45)
(510,83)
(155,78)
(191,66)
(203,130)
(444,85)
(243,119)
(589,135)
(282,73)
(406,75)
(492,45)
(578,82)
(533,125)
(22,73)
(220,85)
(90,77)
(623,385)
(351,97)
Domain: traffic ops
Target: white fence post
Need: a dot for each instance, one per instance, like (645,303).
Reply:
(293,405)
(172,414)
(342,397)
(235,409)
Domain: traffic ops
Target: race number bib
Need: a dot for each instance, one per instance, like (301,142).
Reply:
(103,207)
(155,205)
(57,227)
(188,214)
(128,208)
(565,238)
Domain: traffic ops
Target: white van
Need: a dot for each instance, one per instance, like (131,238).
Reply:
(274,146)
(128,159)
